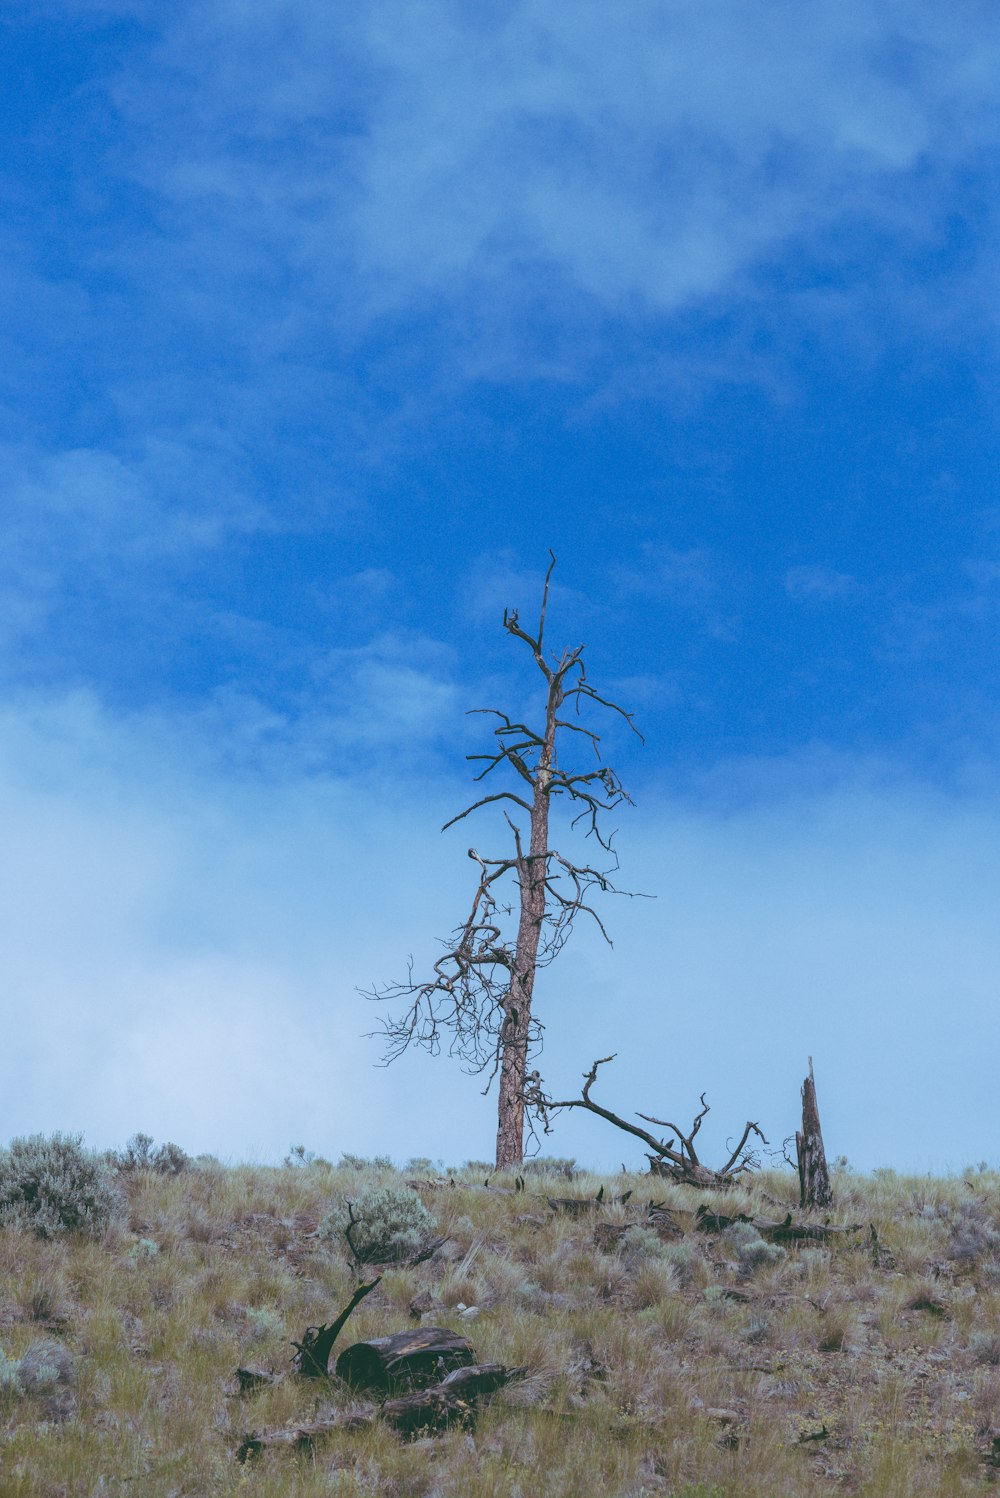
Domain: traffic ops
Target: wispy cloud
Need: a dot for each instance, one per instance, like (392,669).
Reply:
(820,584)
(419,154)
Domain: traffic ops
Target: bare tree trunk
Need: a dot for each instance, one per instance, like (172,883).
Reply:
(531,873)
(814,1177)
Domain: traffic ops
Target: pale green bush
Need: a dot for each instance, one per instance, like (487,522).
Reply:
(53,1186)
(752,1252)
(45,1364)
(389,1223)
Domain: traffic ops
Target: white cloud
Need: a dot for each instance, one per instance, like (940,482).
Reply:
(180,948)
(651,152)
(93,519)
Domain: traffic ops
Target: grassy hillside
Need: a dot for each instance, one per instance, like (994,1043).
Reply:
(660,1362)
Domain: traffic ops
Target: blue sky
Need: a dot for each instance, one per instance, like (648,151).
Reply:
(320,325)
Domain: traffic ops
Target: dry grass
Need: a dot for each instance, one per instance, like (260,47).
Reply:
(697,1366)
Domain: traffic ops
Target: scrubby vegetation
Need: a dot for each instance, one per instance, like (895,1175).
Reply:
(662,1358)
(53,1186)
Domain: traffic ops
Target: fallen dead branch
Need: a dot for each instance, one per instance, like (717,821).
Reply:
(674,1158)
(786,1231)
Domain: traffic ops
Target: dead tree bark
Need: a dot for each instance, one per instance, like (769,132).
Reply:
(674,1158)
(482,991)
(404,1361)
(814,1177)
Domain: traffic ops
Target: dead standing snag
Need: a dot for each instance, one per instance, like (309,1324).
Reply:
(480,1000)
(814,1176)
(676,1157)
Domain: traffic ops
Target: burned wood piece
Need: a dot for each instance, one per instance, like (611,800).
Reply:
(303,1436)
(578,1206)
(405,1361)
(814,1176)
(785,1231)
(801,1232)
(674,1158)
(882,1258)
(707,1221)
(663,1220)
(250,1379)
(453,1401)
(312,1354)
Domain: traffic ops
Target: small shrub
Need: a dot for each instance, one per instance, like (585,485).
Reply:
(139,1156)
(45,1364)
(549,1165)
(53,1185)
(685,1261)
(985,1348)
(758,1329)
(358,1162)
(298,1155)
(973,1233)
(390,1223)
(422,1165)
(752,1252)
(639,1243)
(264,1323)
(170,1160)
(143,1249)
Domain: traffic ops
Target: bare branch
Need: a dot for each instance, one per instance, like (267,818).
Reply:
(681,1165)
(484,801)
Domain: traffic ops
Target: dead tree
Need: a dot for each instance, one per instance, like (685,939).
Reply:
(814,1177)
(674,1158)
(479,1001)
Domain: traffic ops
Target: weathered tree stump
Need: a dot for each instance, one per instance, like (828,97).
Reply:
(814,1177)
(405,1361)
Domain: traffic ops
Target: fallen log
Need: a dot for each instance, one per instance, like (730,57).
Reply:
(303,1437)
(707,1221)
(786,1231)
(451,1402)
(405,1361)
(801,1232)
